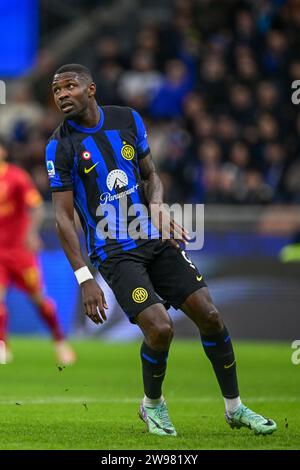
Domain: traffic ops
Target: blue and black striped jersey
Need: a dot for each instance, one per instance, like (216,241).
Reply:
(101,166)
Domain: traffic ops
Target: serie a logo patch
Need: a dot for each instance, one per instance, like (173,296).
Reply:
(50,168)
(127,151)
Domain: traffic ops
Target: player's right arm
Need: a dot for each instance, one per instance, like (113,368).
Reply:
(59,165)
(92,295)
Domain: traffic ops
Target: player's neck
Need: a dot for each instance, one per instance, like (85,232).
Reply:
(90,117)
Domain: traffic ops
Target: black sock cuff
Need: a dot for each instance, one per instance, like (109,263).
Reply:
(219,338)
(152,356)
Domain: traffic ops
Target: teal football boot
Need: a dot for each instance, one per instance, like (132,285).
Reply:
(157,419)
(244,417)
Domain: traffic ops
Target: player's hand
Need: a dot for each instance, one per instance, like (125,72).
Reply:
(34,242)
(168,227)
(94,301)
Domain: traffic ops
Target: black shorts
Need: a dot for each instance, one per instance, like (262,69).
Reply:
(153,273)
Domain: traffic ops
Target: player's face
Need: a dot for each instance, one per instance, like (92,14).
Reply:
(72,93)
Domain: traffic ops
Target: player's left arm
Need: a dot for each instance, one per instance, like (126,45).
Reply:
(153,189)
(160,216)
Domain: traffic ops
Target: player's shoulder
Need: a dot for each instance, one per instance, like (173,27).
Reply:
(117,117)
(60,134)
(60,137)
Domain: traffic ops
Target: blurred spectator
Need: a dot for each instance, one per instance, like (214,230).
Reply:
(275,159)
(292,181)
(168,101)
(256,190)
(213,85)
(240,155)
(267,96)
(213,82)
(242,105)
(142,82)
(268,128)
(21,113)
(245,28)
(275,57)
(107,81)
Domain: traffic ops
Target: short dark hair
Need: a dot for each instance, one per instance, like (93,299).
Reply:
(78,68)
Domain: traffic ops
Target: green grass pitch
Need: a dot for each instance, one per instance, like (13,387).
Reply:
(94,404)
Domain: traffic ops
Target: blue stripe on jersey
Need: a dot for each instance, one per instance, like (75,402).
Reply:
(91,146)
(55,180)
(117,144)
(127,166)
(142,143)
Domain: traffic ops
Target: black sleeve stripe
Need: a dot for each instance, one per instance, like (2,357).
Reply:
(143,154)
(117,117)
(61,189)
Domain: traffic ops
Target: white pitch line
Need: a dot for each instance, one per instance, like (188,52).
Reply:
(75,400)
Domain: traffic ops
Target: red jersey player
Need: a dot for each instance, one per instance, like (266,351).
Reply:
(20,217)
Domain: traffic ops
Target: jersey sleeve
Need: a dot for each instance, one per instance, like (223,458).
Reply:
(142,141)
(59,164)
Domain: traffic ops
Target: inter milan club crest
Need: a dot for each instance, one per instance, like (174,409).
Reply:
(139,295)
(127,151)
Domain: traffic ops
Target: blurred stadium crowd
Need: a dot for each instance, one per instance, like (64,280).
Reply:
(213,83)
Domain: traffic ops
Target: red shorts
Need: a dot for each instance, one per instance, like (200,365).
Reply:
(21,268)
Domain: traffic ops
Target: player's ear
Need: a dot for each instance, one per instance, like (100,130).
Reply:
(92,90)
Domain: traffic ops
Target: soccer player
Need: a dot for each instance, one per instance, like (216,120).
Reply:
(99,161)
(20,217)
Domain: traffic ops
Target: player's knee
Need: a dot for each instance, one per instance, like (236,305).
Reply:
(160,336)
(211,321)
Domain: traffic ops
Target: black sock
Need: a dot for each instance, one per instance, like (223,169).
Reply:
(154,369)
(219,350)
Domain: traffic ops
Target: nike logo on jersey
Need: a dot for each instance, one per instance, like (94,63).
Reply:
(88,170)
(199,278)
